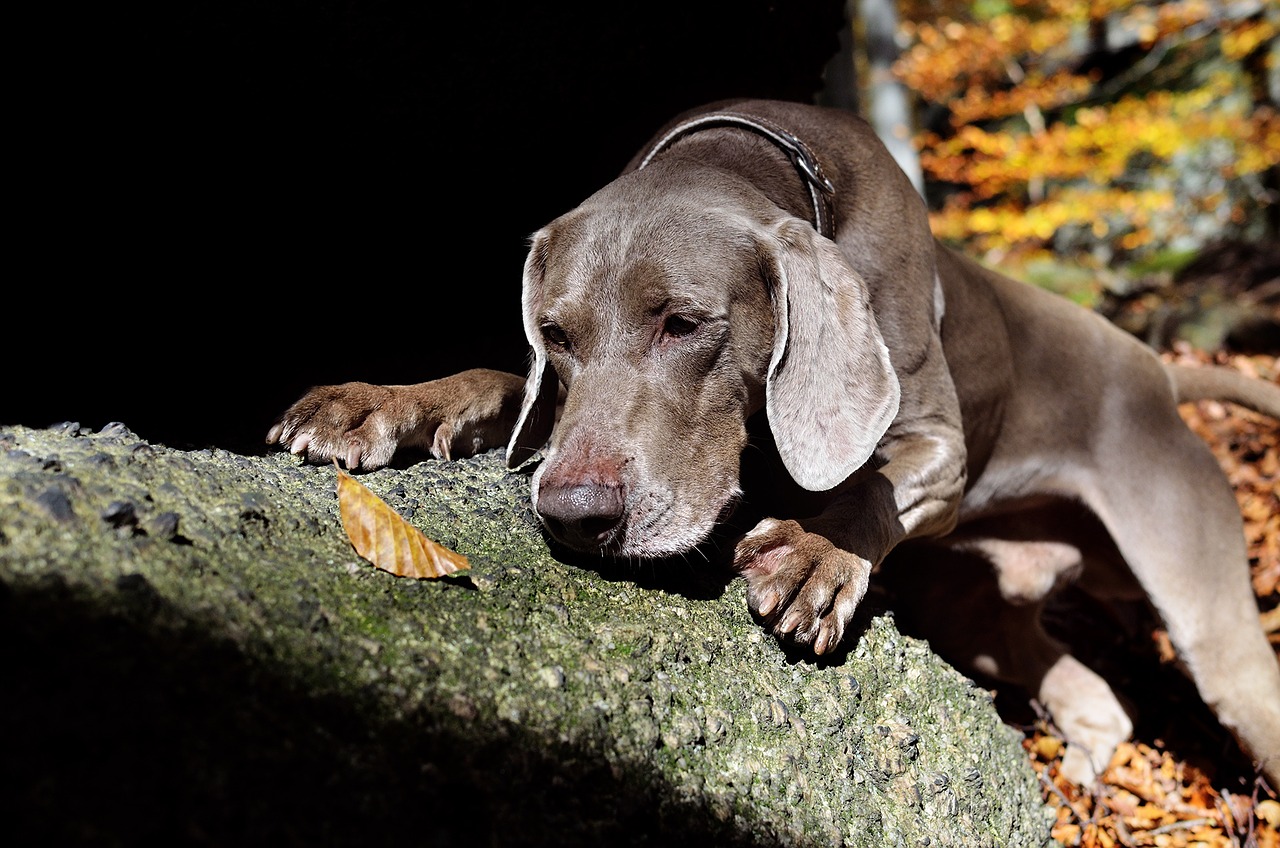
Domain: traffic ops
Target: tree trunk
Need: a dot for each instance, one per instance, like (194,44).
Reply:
(888,103)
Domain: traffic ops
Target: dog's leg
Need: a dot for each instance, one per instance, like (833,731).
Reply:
(1088,714)
(806,577)
(979,602)
(363,425)
(1082,704)
(1178,526)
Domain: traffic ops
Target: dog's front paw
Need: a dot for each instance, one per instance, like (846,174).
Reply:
(804,588)
(353,422)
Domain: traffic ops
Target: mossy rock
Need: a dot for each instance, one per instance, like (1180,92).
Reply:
(194,654)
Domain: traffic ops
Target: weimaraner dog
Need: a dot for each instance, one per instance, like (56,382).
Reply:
(761,283)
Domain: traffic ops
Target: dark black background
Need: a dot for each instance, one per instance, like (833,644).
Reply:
(222,203)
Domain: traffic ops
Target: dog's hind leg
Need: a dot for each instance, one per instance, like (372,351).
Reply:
(1177,525)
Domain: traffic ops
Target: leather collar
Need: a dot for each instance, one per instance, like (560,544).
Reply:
(820,188)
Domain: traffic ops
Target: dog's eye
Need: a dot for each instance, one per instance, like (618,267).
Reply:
(555,336)
(678,326)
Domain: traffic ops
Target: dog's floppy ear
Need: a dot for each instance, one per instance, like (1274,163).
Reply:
(831,392)
(538,412)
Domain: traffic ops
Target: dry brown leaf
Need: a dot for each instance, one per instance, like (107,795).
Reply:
(381,536)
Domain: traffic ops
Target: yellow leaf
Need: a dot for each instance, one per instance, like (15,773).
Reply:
(392,544)
(1048,747)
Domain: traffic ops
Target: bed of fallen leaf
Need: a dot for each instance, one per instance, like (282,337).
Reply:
(1181,781)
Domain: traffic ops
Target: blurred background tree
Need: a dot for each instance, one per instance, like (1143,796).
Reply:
(1111,135)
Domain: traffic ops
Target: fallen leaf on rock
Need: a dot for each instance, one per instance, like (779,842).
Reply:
(381,536)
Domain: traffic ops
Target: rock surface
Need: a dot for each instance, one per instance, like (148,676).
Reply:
(193,652)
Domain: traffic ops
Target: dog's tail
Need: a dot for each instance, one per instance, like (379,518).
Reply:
(1221,383)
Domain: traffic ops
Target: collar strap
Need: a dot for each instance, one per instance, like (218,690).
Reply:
(820,188)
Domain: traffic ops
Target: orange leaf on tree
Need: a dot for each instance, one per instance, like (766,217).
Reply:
(384,538)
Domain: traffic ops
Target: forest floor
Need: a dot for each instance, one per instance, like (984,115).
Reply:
(1181,781)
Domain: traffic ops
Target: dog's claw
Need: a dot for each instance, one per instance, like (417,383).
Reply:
(352,458)
(790,622)
(826,640)
(765,601)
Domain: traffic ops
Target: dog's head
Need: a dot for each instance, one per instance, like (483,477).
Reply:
(671,309)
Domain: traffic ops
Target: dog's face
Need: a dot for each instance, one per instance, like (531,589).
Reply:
(664,314)
(658,324)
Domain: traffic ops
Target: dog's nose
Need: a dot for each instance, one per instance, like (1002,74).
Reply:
(581,515)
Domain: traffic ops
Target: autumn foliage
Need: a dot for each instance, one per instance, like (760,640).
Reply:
(1098,129)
